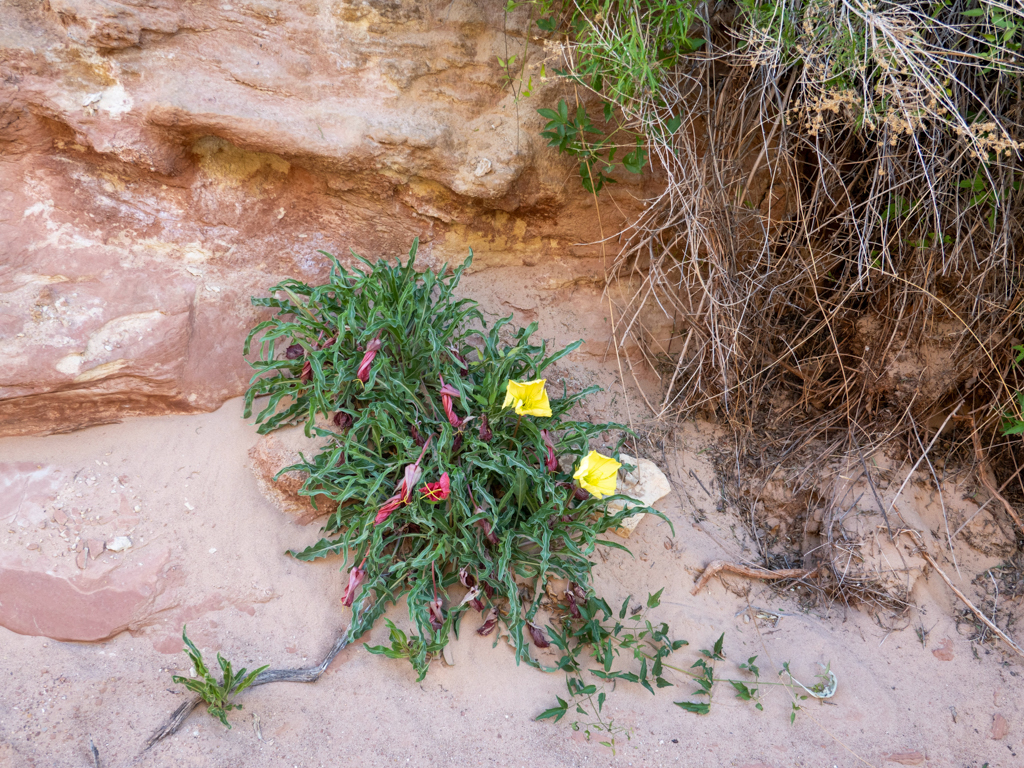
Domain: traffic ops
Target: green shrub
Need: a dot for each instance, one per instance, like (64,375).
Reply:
(438,480)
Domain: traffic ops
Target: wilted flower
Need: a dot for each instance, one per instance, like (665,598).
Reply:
(485,526)
(436,613)
(342,420)
(416,436)
(551,462)
(576,597)
(597,474)
(356,577)
(490,622)
(438,491)
(294,352)
(307,371)
(464,367)
(529,397)
(372,347)
(403,492)
(485,429)
(447,393)
(539,638)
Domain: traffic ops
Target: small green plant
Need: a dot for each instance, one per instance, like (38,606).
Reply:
(596,154)
(1013,421)
(216,695)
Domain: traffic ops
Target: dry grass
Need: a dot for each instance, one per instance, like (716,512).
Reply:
(838,243)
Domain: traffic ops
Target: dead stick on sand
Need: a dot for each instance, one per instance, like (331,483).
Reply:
(718,566)
(303,675)
(1002,635)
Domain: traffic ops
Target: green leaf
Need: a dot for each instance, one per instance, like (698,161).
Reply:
(556,712)
(653,601)
(694,707)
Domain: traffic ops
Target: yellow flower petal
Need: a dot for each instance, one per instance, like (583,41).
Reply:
(529,398)
(597,474)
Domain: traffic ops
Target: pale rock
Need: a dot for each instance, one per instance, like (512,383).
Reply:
(647,484)
(119,544)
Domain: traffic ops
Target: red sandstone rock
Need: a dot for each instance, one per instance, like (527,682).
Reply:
(62,588)
(166,160)
(269,456)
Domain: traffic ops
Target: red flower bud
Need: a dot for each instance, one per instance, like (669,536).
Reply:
(403,492)
(356,577)
(485,526)
(485,429)
(447,393)
(436,613)
(307,371)
(551,462)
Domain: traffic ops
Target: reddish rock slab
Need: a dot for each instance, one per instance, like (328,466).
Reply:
(166,161)
(56,580)
(78,608)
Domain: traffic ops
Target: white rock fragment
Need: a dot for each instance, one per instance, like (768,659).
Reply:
(119,544)
(647,484)
(483,167)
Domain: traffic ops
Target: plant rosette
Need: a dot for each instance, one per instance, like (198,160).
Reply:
(444,452)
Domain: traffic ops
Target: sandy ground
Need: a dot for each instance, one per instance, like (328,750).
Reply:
(220,547)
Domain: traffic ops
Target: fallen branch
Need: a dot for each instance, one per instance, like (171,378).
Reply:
(988,623)
(303,675)
(754,573)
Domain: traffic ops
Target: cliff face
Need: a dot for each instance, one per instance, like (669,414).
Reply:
(163,160)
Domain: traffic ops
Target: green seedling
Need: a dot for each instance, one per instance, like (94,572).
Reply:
(216,695)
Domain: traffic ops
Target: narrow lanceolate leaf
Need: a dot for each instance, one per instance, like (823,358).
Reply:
(694,707)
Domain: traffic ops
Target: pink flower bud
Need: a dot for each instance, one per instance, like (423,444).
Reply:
(372,347)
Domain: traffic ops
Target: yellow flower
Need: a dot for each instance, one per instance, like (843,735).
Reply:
(597,474)
(529,397)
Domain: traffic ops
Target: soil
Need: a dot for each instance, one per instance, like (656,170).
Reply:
(921,690)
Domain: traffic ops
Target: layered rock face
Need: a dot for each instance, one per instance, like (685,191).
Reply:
(164,160)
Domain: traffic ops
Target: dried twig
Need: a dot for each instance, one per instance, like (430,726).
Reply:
(718,566)
(984,473)
(303,675)
(974,609)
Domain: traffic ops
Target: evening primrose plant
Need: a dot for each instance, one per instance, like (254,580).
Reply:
(462,483)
